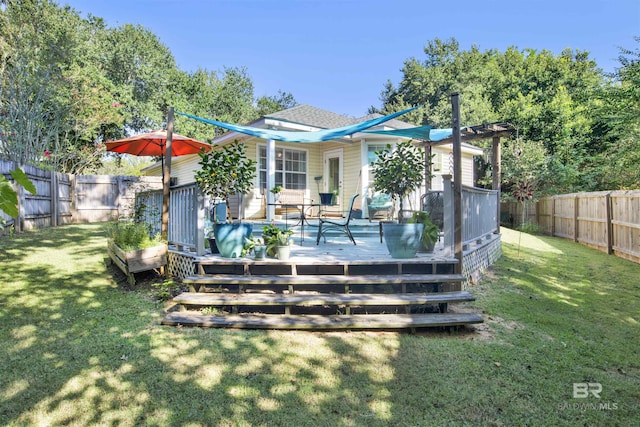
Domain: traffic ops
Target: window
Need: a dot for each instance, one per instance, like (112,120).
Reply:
(291,168)
(437,162)
(371,151)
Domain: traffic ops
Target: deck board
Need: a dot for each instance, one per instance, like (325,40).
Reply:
(217,279)
(204,299)
(319,322)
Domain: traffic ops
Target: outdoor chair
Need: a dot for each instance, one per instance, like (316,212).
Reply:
(380,203)
(433,202)
(325,225)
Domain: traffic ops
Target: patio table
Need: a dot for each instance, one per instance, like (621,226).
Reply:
(302,207)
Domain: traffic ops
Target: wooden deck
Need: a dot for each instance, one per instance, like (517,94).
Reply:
(325,287)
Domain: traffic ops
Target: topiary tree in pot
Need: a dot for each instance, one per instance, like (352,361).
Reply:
(398,172)
(225,172)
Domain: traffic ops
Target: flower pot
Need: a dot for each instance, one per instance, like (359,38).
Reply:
(212,246)
(230,238)
(259,252)
(283,252)
(326,199)
(427,249)
(402,240)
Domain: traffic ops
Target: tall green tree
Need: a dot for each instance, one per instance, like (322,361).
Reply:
(141,68)
(618,125)
(55,100)
(549,98)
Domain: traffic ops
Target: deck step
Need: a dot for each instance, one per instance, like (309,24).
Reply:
(226,299)
(319,322)
(329,279)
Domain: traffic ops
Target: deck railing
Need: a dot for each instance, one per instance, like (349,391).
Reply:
(479,214)
(149,210)
(186,216)
(479,210)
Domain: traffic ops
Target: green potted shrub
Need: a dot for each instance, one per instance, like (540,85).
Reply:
(278,241)
(398,172)
(223,173)
(430,231)
(133,250)
(276,192)
(257,246)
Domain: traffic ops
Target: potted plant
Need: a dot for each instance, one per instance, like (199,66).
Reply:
(398,172)
(430,231)
(223,173)
(276,192)
(132,249)
(257,246)
(278,241)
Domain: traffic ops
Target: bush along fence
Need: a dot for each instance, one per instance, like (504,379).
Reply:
(65,199)
(607,220)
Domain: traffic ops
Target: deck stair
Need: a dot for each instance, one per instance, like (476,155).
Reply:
(322,301)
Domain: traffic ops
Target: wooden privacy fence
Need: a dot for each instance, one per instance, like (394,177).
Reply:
(63,198)
(607,220)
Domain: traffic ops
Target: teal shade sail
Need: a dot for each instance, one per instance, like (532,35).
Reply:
(425,133)
(299,136)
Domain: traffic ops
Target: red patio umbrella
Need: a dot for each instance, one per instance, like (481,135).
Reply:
(154,144)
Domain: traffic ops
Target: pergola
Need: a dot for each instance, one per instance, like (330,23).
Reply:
(495,131)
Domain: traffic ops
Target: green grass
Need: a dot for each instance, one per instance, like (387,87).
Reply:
(78,350)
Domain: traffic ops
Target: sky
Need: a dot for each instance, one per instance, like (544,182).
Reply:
(338,54)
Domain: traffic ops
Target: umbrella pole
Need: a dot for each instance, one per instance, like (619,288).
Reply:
(166,176)
(162,163)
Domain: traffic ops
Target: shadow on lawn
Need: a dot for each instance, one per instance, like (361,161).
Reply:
(79,350)
(570,279)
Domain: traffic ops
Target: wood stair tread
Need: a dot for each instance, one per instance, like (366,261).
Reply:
(220,299)
(320,322)
(219,279)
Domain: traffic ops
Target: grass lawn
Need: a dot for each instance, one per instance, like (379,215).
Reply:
(77,349)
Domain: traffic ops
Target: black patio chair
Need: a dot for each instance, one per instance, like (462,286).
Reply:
(433,202)
(343,226)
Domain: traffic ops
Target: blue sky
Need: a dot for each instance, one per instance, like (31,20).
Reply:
(338,54)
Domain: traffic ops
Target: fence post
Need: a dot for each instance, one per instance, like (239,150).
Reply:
(575,218)
(18,223)
(607,200)
(54,198)
(74,198)
(553,215)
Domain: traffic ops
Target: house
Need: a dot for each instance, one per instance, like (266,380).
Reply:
(338,166)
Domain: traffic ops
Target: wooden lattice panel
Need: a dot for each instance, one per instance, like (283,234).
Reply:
(181,265)
(480,258)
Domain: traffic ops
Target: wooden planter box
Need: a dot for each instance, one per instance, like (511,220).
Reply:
(139,260)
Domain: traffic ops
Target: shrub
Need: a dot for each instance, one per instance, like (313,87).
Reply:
(132,236)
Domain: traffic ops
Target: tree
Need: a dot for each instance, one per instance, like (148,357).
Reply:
(54,97)
(398,171)
(271,104)
(549,98)
(67,84)
(225,172)
(618,123)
